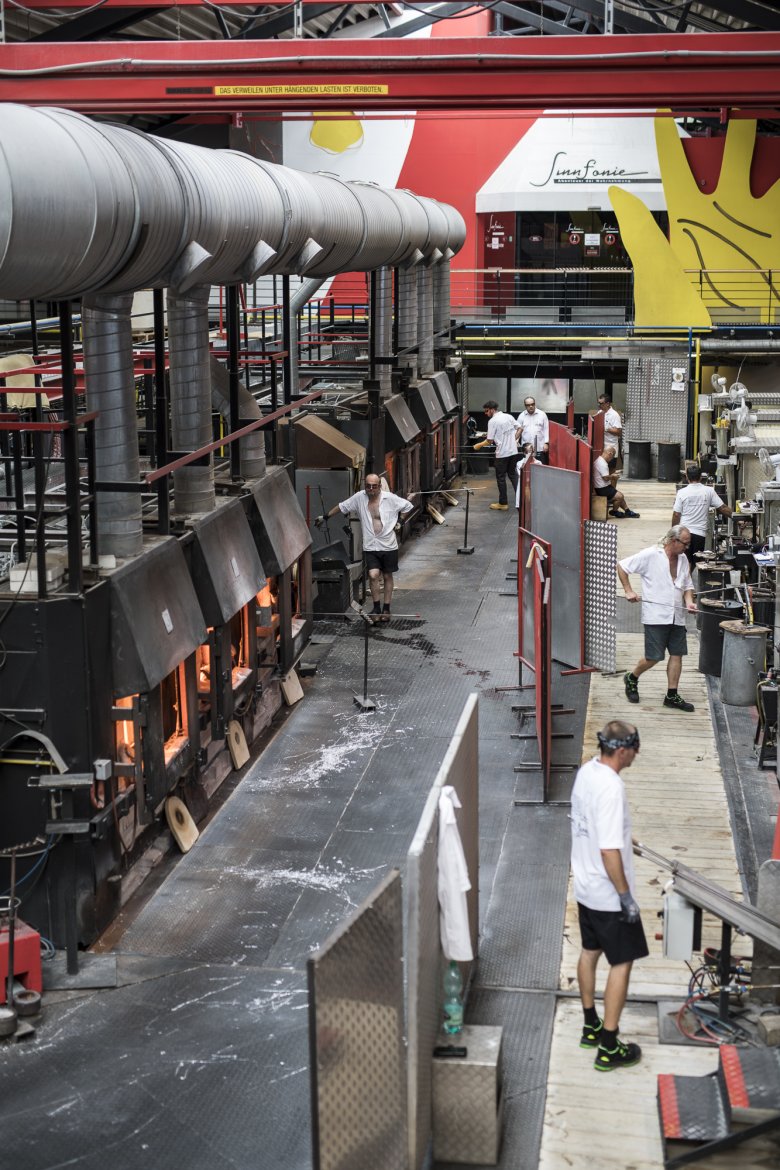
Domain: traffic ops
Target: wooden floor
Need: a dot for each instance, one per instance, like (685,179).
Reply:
(596,1120)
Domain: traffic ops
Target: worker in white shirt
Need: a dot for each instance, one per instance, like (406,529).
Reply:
(603,486)
(692,508)
(501,434)
(533,427)
(613,427)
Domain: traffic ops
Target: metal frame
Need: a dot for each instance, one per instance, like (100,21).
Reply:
(712,71)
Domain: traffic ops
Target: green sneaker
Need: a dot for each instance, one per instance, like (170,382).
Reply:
(590,1035)
(621,1056)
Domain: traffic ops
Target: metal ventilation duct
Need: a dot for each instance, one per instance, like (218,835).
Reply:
(89,208)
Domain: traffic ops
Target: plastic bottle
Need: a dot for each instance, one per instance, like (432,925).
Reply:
(453,999)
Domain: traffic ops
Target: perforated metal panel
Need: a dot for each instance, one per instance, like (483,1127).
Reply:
(655,409)
(600,616)
(358,1064)
(555,517)
(460,768)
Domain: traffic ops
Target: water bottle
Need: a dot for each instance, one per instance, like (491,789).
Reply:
(453,999)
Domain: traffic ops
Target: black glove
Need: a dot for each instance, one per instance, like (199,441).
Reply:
(629,907)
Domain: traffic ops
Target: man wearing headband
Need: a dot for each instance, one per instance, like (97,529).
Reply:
(602,864)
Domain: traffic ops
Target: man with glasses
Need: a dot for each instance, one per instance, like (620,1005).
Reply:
(533,427)
(667,593)
(602,865)
(378,512)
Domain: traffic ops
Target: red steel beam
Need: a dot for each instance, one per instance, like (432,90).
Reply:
(706,71)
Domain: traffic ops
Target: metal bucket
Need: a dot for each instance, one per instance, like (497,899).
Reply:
(744,655)
(714,612)
(638,460)
(668,462)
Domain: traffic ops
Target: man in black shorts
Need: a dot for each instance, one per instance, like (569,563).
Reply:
(378,512)
(603,871)
(603,486)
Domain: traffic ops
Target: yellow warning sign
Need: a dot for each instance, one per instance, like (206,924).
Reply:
(288,89)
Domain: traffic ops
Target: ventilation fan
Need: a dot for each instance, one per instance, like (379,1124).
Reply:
(737,390)
(718,383)
(770,464)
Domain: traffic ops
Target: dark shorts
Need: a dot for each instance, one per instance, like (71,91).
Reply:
(659,639)
(605,930)
(609,491)
(387,562)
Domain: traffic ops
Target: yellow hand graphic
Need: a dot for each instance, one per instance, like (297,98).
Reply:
(723,249)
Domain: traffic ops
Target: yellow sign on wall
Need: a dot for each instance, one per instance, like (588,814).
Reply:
(294,89)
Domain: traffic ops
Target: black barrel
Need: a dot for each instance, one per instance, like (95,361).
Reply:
(638,460)
(711,583)
(668,462)
(763,609)
(711,635)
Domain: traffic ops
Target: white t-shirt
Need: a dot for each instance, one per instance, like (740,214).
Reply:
(535,428)
(390,507)
(601,472)
(662,596)
(600,819)
(693,503)
(612,422)
(501,431)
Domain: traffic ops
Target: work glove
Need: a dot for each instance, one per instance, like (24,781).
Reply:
(319,521)
(629,907)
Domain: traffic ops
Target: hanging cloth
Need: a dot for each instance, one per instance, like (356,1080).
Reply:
(453,882)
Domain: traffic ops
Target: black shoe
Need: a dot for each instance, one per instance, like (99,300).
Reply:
(631,515)
(621,1056)
(619,515)
(632,689)
(591,1034)
(677,703)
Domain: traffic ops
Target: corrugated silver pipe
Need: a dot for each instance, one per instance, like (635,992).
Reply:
(190,385)
(110,390)
(298,298)
(425,319)
(442,306)
(252,446)
(406,308)
(384,328)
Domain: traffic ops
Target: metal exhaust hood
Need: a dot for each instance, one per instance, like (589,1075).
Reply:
(424,404)
(443,387)
(276,521)
(401,424)
(226,568)
(156,621)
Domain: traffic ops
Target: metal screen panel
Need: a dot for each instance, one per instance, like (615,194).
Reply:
(356,1040)
(460,768)
(655,410)
(600,607)
(555,517)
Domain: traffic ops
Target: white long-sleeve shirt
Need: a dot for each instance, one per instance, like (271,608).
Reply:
(535,428)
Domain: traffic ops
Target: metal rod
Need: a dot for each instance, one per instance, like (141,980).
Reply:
(160,412)
(465,549)
(9,994)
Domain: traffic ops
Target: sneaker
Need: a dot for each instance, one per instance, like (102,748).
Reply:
(590,1035)
(619,515)
(499,507)
(631,515)
(621,1056)
(632,689)
(677,703)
